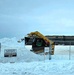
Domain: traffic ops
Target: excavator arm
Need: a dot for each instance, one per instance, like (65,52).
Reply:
(39,35)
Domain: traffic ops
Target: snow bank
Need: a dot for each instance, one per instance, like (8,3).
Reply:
(23,53)
(10,42)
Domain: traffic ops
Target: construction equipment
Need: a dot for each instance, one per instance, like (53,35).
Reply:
(40,41)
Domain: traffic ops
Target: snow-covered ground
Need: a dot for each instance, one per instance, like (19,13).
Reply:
(28,63)
(38,68)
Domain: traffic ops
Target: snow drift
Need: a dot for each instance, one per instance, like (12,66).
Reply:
(23,53)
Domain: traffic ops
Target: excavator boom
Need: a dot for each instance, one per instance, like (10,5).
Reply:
(39,35)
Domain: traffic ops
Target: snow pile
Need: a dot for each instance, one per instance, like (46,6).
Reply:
(10,43)
(23,54)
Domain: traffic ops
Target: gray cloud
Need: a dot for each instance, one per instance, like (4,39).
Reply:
(18,17)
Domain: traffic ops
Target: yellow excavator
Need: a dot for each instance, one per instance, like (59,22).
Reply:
(39,41)
(37,35)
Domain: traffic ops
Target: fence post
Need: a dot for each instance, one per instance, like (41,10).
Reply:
(0,47)
(70,51)
(50,52)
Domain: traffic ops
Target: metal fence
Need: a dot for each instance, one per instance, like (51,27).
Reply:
(69,50)
(66,51)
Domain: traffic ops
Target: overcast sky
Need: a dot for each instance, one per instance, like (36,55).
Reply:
(50,17)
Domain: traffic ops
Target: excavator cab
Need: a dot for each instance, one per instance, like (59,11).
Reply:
(38,42)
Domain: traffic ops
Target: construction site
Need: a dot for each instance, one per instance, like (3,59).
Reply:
(36,37)
(39,42)
(38,53)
